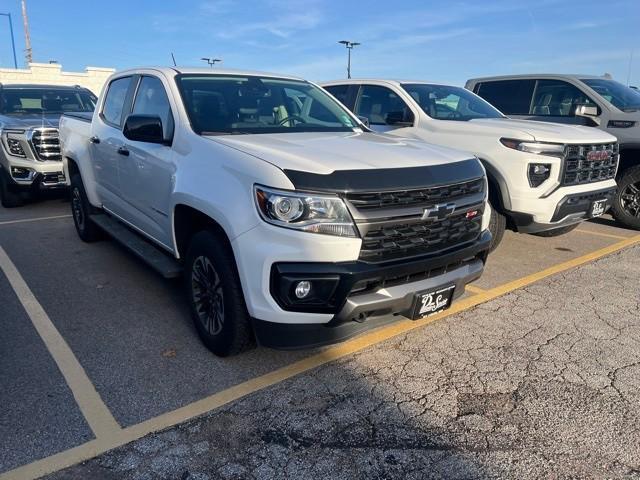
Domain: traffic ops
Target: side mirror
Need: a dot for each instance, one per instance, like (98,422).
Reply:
(144,128)
(397,119)
(364,120)
(586,111)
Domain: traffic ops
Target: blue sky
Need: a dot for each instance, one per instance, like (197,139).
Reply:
(448,41)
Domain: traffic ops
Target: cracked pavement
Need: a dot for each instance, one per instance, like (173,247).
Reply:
(541,383)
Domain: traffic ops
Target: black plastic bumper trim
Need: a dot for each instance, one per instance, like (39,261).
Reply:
(350,273)
(581,202)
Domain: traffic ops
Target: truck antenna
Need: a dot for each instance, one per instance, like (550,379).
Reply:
(174,59)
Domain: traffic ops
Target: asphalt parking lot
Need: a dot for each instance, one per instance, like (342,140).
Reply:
(98,351)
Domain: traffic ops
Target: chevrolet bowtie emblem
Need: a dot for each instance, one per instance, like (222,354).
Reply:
(439,211)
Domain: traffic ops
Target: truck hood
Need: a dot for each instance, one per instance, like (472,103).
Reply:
(31,120)
(541,131)
(323,153)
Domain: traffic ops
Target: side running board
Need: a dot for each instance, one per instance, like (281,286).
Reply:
(142,248)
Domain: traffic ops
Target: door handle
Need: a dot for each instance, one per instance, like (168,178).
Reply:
(123,151)
(94,139)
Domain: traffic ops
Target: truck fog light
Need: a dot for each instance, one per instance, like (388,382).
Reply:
(538,173)
(302,289)
(20,173)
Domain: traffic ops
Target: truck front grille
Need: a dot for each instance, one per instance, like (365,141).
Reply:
(411,223)
(404,240)
(590,163)
(46,144)
(404,198)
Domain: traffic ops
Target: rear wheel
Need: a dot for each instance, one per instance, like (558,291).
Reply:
(497,226)
(557,231)
(626,205)
(9,197)
(215,296)
(81,209)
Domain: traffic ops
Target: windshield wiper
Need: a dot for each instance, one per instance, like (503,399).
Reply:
(235,132)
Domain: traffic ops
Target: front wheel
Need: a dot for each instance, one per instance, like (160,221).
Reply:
(8,197)
(81,209)
(215,296)
(497,226)
(556,232)
(626,205)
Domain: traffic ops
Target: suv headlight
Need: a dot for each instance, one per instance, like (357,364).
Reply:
(309,212)
(538,148)
(13,143)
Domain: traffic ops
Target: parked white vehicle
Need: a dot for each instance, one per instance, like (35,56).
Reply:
(598,102)
(289,219)
(544,178)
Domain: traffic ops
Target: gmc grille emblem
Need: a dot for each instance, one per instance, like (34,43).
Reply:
(439,211)
(598,155)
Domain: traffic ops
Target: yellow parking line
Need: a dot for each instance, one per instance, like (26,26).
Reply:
(474,289)
(170,419)
(601,234)
(27,220)
(93,408)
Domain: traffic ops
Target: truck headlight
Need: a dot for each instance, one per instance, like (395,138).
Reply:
(309,212)
(13,145)
(538,148)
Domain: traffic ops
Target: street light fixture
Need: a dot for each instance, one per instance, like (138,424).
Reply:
(13,43)
(211,61)
(349,46)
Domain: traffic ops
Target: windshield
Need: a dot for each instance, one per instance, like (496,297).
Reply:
(41,100)
(223,104)
(617,94)
(450,103)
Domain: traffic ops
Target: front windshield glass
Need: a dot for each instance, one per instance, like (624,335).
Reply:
(44,101)
(619,95)
(224,104)
(450,103)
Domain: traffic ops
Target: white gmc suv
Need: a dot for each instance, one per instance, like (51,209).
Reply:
(292,222)
(543,178)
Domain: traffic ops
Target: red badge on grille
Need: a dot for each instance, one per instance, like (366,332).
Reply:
(598,155)
(472,214)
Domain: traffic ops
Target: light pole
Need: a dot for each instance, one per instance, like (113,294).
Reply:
(211,61)
(13,43)
(349,46)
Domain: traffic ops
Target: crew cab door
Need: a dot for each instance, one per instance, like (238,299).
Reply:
(106,139)
(146,170)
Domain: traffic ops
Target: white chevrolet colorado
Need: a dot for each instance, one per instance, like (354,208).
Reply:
(290,222)
(543,178)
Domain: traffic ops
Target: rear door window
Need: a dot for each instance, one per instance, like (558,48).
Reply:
(341,92)
(512,97)
(114,102)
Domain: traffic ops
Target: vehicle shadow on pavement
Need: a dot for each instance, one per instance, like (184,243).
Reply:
(540,383)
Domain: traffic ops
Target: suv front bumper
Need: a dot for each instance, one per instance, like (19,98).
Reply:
(361,295)
(571,209)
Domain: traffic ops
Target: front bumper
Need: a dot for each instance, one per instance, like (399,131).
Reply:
(571,209)
(25,175)
(365,295)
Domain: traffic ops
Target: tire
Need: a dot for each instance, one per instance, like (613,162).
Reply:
(556,232)
(80,210)
(9,198)
(497,226)
(626,204)
(215,296)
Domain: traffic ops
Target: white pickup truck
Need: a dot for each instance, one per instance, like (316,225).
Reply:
(290,222)
(543,178)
